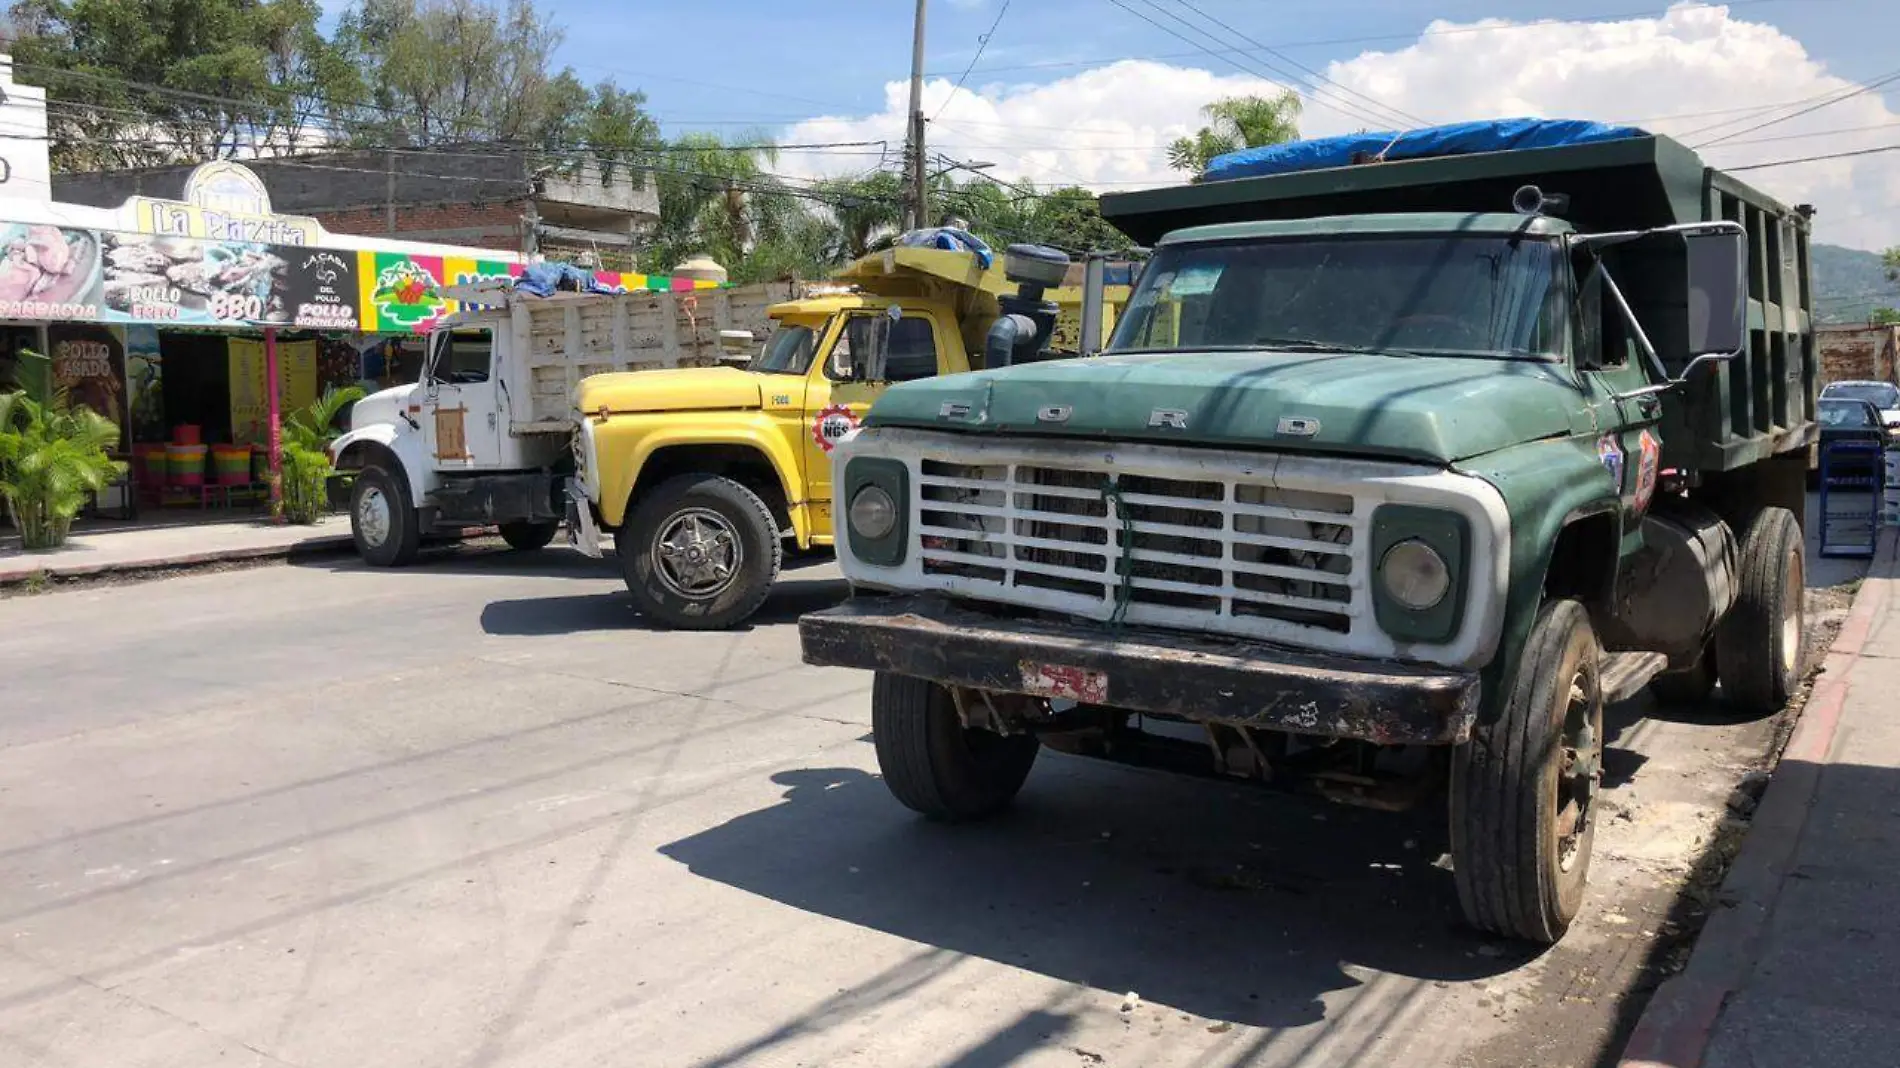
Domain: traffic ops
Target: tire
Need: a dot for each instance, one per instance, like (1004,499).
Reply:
(1759,643)
(383,520)
(1692,685)
(525,536)
(727,521)
(1522,820)
(935,765)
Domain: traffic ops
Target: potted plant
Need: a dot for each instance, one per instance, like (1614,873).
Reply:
(306,453)
(52,457)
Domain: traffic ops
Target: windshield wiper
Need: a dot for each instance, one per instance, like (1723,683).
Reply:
(1307,344)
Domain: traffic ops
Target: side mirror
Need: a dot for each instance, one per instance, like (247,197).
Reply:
(872,365)
(1718,292)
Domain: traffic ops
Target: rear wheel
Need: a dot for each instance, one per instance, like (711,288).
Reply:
(527,536)
(1523,790)
(383,519)
(933,763)
(700,552)
(1759,643)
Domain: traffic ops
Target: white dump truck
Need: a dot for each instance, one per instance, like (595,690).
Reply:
(484,436)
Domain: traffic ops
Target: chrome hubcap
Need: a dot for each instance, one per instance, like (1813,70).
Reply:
(697,553)
(372,516)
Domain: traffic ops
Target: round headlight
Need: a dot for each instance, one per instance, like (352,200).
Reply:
(873,513)
(1415,575)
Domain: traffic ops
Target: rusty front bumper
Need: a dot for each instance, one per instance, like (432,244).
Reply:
(1178,675)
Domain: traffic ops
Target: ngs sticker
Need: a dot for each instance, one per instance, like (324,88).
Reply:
(831,425)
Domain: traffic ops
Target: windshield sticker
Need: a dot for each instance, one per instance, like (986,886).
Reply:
(833,424)
(1192,281)
(1650,450)
(1610,455)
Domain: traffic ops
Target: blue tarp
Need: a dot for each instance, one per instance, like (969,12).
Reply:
(545,279)
(1457,139)
(949,239)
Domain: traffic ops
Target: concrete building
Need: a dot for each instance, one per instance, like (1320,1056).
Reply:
(474,196)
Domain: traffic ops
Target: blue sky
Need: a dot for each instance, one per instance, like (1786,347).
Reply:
(776,61)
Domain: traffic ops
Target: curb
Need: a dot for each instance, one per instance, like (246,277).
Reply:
(1679,1021)
(178,561)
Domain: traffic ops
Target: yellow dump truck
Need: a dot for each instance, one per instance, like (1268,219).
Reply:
(706,475)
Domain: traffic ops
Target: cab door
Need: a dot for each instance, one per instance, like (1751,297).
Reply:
(919,347)
(461,409)
(1629,430)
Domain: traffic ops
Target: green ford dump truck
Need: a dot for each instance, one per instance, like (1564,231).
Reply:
(1393,475)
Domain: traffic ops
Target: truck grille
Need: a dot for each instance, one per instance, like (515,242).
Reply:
(1224,554)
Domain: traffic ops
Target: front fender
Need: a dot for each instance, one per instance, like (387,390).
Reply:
(624,443)
(1547,485)
(358,447)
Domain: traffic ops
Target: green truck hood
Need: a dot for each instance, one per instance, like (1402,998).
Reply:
(1431,409)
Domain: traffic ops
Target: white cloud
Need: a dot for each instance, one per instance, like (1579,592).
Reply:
(1107,127)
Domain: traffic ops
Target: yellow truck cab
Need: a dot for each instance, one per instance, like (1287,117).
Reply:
(703,474)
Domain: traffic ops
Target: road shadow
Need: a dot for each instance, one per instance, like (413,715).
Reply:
(614,610)
(1230,902)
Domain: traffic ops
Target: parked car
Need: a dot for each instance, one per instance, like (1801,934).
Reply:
(1846,419)
(1884,396)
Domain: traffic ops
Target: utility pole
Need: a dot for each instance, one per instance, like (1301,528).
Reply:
(918,207)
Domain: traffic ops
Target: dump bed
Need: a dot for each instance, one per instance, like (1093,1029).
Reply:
(553,342)
(1757,405)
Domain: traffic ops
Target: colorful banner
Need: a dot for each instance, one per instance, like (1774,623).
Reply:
(63,275)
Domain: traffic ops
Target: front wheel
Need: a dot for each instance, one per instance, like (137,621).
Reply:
(933,763)
(383,519)
(1759,641)
(700,552)
(1523,790)
(525,536)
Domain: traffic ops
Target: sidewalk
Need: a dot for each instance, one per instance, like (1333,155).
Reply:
(100,552)
(1799,967)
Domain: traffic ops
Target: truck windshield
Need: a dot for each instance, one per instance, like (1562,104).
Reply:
(1474,296)
(788,351)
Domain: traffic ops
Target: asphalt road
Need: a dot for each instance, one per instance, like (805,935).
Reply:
(474,813)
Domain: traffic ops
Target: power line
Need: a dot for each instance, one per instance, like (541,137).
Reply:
(1814,159)
(981,43)
(1367,39)
(1344,108)
(1405,118)
(1832,97)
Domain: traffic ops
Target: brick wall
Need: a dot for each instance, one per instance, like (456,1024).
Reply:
(1859,353)
(495,225)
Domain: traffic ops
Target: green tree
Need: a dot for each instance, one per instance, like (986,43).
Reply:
(1885,316)
(720,198)
(861,209)
(1234,123)
(143,82)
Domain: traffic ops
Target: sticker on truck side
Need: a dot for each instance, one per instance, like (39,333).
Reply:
(832,424)
(1064,681)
